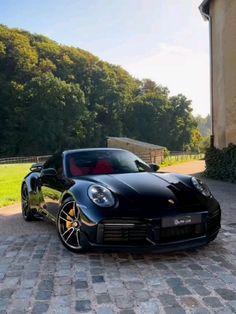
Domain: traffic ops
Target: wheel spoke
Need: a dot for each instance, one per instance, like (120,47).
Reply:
(75,209)
(78,213)
(77,237)
(66,220)
(70,235)
(67,231)
(67,214)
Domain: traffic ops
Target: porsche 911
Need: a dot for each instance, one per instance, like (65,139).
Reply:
(111,199)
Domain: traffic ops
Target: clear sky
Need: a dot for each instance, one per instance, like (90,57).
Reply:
(164,40)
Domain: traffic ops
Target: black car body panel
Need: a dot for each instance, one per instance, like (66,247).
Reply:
(157,211)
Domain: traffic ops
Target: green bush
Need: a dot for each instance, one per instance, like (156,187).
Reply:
(221,163)
(166,153)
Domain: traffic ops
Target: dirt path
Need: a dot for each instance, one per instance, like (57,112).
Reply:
(192,167)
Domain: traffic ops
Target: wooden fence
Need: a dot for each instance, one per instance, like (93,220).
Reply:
(178,156)
(20,160)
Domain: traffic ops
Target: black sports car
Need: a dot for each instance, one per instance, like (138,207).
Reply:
(110,198)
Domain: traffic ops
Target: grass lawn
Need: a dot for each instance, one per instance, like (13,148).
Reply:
(10,182)
(171,161)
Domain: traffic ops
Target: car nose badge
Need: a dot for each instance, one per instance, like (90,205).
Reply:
(171,201)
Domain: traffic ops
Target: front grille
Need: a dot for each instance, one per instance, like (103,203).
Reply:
(126,233)
(181,233)
(145,233)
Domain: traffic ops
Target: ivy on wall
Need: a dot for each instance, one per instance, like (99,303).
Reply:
(221,163)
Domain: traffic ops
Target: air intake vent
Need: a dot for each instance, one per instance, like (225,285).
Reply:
(124,233)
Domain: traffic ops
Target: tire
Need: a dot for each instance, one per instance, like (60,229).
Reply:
(69,225)
(25,204)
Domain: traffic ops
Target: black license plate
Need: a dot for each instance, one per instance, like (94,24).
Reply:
(181,220)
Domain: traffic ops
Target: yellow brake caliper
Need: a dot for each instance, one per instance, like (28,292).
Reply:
(68,218)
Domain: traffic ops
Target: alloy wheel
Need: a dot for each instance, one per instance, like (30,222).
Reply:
(25,203)
(69,225)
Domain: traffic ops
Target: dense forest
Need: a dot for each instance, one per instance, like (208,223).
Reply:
(55,97)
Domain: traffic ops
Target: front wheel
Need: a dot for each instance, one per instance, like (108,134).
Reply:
(25,204)
(69,226)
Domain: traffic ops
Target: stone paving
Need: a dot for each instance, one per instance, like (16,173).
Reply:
(38,275)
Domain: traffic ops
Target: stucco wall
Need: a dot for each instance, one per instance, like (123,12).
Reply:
(148,155)
(223,16)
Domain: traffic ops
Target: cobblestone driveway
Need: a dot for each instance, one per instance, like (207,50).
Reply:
(37,275)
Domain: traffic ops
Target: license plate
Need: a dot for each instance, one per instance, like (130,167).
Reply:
(181,220)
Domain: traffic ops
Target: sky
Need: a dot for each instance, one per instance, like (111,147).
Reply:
(164,40)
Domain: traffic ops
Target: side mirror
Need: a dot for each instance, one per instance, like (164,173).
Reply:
(154,167)
(36,167)
(48,173)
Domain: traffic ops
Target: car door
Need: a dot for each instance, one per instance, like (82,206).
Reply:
(52,185)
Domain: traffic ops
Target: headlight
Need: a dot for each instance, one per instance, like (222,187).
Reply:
(101,196)
(201,187)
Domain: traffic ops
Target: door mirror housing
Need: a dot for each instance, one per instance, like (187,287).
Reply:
(36,167)
(154,167)
(48,173)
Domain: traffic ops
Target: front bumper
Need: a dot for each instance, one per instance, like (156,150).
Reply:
(149,234)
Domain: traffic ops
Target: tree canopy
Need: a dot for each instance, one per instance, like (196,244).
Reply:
(55,97)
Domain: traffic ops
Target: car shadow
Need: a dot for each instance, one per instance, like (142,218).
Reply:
(14,224)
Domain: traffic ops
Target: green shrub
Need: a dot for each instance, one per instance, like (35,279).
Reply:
(221,163)
(166,153)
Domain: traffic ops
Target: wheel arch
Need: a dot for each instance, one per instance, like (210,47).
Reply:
(31,182)
(66,195)
(22,184)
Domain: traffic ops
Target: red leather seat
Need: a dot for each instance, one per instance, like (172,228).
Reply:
(77,171)
(74,169)
(103,167)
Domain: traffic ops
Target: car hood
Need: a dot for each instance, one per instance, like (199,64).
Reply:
(151,190)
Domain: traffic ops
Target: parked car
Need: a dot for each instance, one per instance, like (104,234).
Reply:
(110,198)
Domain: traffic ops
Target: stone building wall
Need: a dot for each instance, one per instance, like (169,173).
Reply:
(223,17)
(148,155)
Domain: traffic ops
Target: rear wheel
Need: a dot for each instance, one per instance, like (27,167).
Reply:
(25,204)
(69,226)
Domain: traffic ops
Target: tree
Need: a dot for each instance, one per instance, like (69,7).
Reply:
(181,122)
(196,140)
(146,118)
(54,97)
(204,125)
(46,116)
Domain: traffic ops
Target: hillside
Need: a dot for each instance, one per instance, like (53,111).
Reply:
(55,97)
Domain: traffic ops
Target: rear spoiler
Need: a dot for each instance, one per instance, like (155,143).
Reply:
(36,167)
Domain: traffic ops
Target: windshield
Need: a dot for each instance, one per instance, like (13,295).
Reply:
(96,162)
